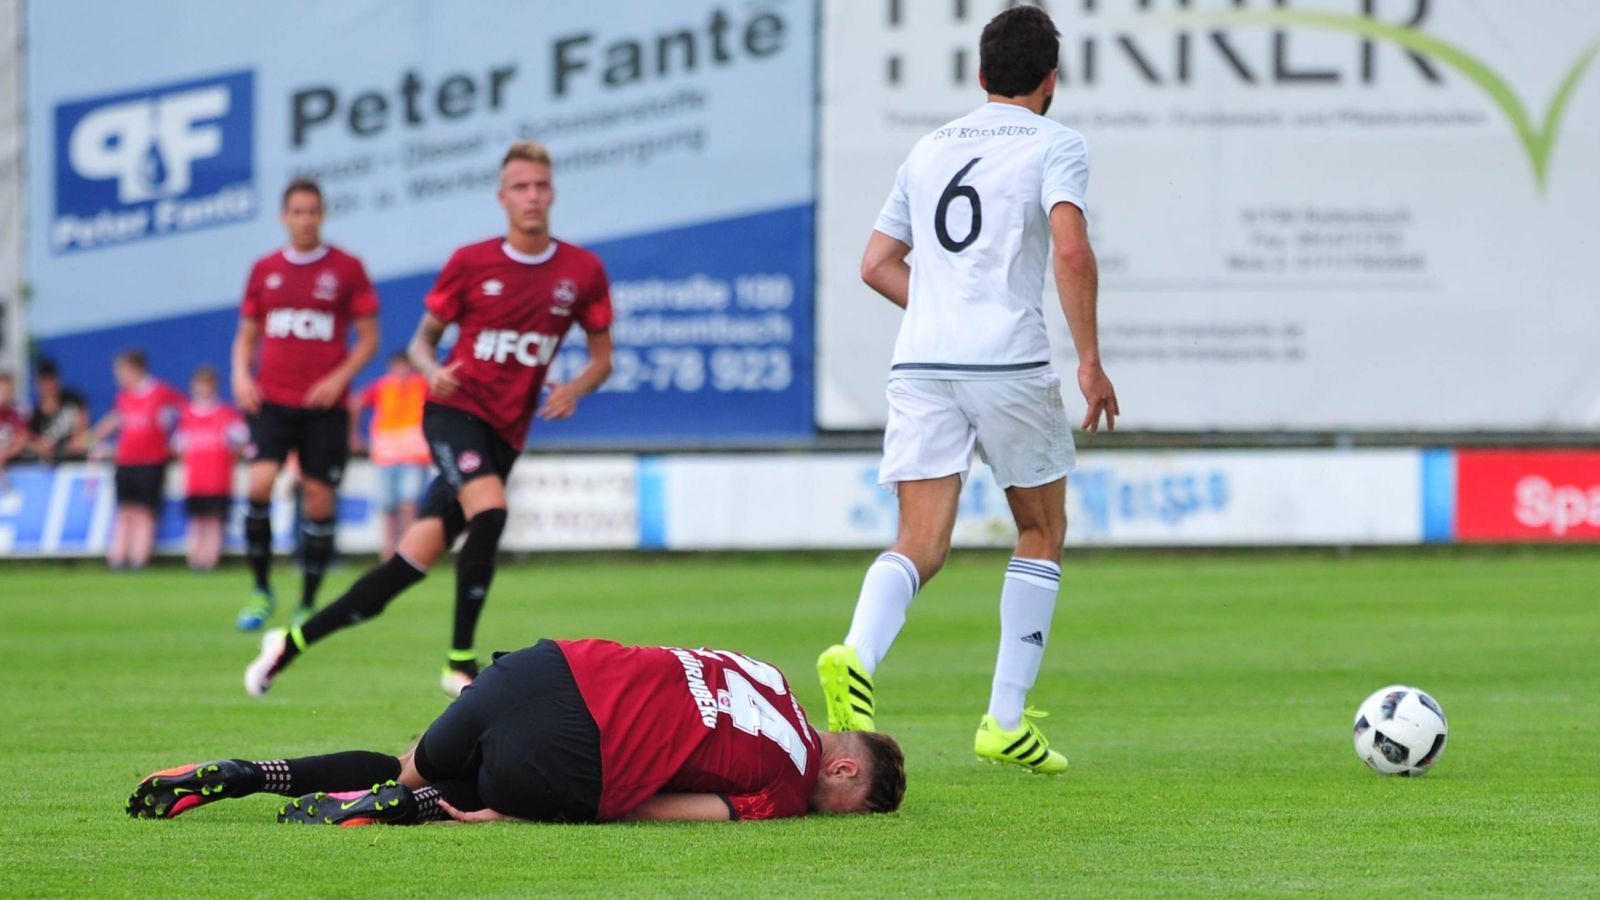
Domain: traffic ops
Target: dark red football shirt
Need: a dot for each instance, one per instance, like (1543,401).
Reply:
(145,412)
(513,312)
(695,722)
(305,304)
(208,438)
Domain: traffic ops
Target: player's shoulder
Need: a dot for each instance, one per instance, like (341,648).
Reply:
(270,261)
(578,254)
(343,257)
(1058,134)
(479,252)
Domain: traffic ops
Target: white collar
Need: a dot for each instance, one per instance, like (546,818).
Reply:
(528,259)
(306,258)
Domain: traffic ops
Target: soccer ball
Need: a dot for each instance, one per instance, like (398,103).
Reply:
(1400,731)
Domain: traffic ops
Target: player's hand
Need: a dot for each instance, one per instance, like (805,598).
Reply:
(1101,397)
(477,816)
(246,394)
(561,402)
(443,382)
(325,393)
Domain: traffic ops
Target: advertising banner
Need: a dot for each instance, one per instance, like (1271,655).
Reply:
(1315,214)
(556,504)
(1113,499)
(683,141)
(1527,495)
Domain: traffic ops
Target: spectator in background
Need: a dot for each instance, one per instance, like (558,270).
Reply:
(144,411)
(209,437)
(60,420)
(13,427)
(397,446)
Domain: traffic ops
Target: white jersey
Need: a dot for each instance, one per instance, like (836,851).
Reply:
(973,201)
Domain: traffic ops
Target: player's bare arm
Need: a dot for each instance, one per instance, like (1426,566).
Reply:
(681,808)
(1078,283)
(246,343)
(884,268)
(562,400)
(424,354)
(327,391)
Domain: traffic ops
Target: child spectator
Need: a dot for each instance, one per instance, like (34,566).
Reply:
(397,448)
(60,419)
(209,436)
(13,427)
(145,409)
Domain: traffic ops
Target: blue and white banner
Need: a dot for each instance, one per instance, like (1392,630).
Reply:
(683,139)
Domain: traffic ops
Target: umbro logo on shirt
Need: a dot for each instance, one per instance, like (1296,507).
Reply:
(1036,639)
(274,281)
(493,287)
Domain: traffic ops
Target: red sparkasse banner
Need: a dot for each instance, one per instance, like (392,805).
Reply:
(1527,495)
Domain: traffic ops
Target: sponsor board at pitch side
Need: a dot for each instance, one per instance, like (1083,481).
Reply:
(556,504)
(1527,495)
(1114,499)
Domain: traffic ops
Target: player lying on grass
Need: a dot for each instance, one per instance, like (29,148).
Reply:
(578,731)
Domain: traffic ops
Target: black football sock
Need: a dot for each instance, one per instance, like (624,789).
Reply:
(364,600)
(318,537)
(349,770)
(474,572)
(258,542)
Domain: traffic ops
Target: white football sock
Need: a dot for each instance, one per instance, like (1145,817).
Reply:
(1027,602)
(886,594)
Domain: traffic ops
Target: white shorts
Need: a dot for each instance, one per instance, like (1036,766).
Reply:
(1019,425)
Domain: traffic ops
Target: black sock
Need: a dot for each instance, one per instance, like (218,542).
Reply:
(474,571)
(318,536)
(365,599)
(349,770)
(258,541)
(428,808)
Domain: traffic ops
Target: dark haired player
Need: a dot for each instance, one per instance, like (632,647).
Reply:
(300,304)
(978,204)
(579,731)
(514,299)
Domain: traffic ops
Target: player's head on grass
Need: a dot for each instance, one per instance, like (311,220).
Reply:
(302,213)
(129,367)
(527,188)
(862,771)
(1017,57)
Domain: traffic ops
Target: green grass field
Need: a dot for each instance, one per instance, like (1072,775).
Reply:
(1205,703)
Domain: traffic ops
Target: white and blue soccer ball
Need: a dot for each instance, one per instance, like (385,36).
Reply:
(1400,730)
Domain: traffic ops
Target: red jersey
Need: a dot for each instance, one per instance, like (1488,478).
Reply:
(144,413)
(12,426)
(695,721)
(208,438)
(305,303)
(513,311)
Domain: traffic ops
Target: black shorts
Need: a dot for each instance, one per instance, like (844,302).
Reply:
(464,447)
(141,485)
(320,436)
(519,741)
(207,506)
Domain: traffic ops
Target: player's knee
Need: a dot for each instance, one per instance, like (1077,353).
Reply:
(318,499)
(486,527)
(928,556)
(425,541)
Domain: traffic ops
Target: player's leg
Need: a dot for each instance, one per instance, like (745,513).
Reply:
(419,548)
(324,451)
(1024,435)
(117,548)
(927,449)
(483,503)
(270,434)
(141,536)
(210,549)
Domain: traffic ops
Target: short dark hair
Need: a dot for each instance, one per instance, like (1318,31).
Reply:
(888,770)
(400,356)
(300,185)
(135,357)
(46,368)
(1018,49)
(206,372)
